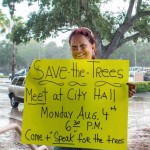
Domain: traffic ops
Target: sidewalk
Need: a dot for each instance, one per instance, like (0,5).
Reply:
(5,80)
(141,96)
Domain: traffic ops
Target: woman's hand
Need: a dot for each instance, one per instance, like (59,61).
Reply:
(132,90)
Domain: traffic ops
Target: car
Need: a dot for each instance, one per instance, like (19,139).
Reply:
(16,91)
(21,72)
(147,69)
(135,69)
(147,76)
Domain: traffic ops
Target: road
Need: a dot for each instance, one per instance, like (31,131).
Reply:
(138,122)
(6,110)
(9,140)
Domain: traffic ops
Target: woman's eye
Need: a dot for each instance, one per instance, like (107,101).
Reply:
(74,48)
(83,46)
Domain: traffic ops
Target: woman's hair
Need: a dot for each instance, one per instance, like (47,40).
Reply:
(85,32)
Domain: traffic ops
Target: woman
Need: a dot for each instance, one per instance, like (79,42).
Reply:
(83,46)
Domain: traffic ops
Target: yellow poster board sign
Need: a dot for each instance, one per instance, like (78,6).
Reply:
(77,103)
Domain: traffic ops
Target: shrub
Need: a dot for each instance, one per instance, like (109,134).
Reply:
(142,87)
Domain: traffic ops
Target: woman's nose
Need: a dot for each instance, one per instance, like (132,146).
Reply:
(79,48)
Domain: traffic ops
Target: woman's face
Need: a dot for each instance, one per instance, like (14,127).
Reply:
(81,47)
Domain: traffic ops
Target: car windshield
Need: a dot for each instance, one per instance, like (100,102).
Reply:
(21,71)
(136,69)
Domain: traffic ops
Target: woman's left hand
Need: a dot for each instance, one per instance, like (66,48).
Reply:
(132,90)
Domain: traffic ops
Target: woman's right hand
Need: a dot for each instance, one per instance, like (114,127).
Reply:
(132,90)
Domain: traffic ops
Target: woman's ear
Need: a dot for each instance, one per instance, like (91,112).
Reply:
(94,48)
(93,51)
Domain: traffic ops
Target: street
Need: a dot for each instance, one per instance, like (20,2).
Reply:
(138,122)
(11,139)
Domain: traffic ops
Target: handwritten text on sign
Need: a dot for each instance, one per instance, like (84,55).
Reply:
(77,103)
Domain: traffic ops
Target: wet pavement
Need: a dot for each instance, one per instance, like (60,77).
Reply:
(138,124)
(9,140)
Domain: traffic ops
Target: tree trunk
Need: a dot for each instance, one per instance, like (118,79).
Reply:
(101,50)
(13,60)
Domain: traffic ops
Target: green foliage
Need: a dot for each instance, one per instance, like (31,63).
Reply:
(16,30)
(6,50)
(11,5)
(4,22)
(30,51)
(63,15)
(142,87)
(5,53)
(5,57)
(3,76)
(34,50)
(143,26)
(52,51)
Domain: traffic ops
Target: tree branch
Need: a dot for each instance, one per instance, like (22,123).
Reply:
(138,6)
(130,24)
(64,30)
(129,38)
(126,26)
(130,10)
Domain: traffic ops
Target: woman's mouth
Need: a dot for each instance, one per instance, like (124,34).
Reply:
(80,55)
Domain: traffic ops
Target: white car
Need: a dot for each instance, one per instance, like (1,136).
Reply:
(16,91)
(21,72)
(133,70)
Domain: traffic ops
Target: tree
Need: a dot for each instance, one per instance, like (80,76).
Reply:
(138,53)
(49,50)
(6,50)
(15,38)
(5,55)
(62,15)
(32,50)
(4,22)
(52,51)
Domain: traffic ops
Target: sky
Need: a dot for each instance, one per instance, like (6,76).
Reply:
(23,10)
